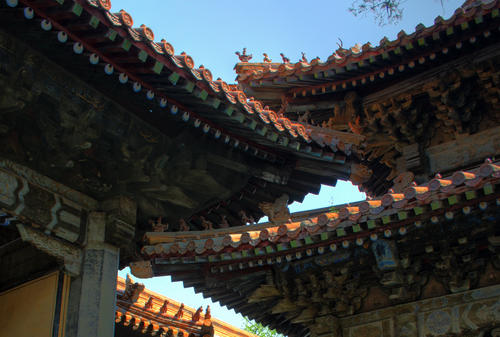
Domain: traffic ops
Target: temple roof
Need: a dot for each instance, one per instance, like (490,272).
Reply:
(348,64)
(144,312)
(235,265)
(339,225)
(269,154)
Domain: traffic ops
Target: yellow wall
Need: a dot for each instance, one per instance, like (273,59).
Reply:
(28,310)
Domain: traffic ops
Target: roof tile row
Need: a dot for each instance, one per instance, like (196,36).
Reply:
(163,55)
(232,93)
(346,57)
(370,214)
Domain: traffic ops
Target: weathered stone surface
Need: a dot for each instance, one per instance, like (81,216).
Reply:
(469,312)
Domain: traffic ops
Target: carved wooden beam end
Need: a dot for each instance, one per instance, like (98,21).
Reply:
(141,269)
(69,254)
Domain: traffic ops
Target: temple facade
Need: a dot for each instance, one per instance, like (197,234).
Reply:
(117,151)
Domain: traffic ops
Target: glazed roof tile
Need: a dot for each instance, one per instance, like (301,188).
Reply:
(154,314)
(340,224)
(159,58)
(360,55)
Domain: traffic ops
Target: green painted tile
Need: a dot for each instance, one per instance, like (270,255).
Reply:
(386,219)
(494,13)
(478,19)
(470,195)
(262,131)
(189,86)
(356,228)
(111,34)
(216,103)
(126,44)
(245,253)
(418,210)
(94,22)
(77,9)
(402,215)
(60,2)
(158,67)
(341,232)
(294,243)
(449,31)
(173,78)
(143,56)
(324,236)
(464,25)
(370,224)
(258,251)
(203,95)
(452,200)
(272,136)
(436,204)
(229,110)
(308,240)
(282,247)
(284,141)
(421,42)
(252,124)
(488,189)
(239,117)
(269,249)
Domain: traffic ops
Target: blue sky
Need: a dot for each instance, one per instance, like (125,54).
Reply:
(211,31)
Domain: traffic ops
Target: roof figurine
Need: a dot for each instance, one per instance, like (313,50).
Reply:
(180,312)
(158,225)
(132,290)
(284,58)
(164,308)
(197,315)
(247,220)
(183,226)
(243,55)
(303,59)
(224,223)
(341,51)
(277,211)
(266,58)
(208,315)
(207,225)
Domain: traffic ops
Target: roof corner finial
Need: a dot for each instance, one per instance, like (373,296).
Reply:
(266,58)
(243,55)
(341,44)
